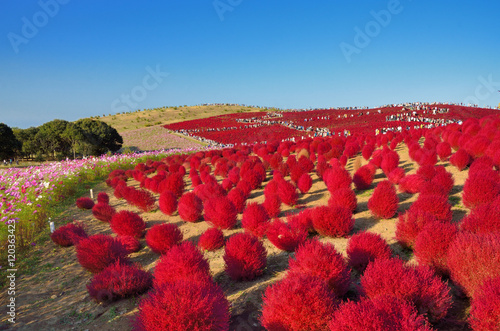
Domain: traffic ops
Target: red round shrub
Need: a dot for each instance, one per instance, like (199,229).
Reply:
(485,307)
(384,201)
(102,197)
(390,161)
(69,234)
(444,180)
(255,219)
(286,236)
(271,188)
(119,281)
(297,303)
(245,257)
(182,262)
(304,184)
(84,203)
(303,219)
(168,202)
(436,205)
(184,305)
(272,204)
(211,240)
(238,198)
(287,193)
(432,243)
(380,314)
(443,150)
(336,221)
(220,213)
(473,259)
(409,225)
(322,260)
(365,247)
(337,177)
(363,177)
(461,159)
(103,212)
(190,207)
(480,188)
(396,175)
(418,285)
(97,252)
(142,199)
(130,243)
(483,219)
(245,187)
(127,223)
(367,151)
(344,197)
(411,183)
(162,237)
(175,183)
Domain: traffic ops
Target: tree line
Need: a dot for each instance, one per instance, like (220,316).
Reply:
(59,139)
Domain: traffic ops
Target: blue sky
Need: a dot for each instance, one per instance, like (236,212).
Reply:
(73,59)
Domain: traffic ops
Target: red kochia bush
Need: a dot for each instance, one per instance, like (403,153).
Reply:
(390,161)
(363,177)
(365,247)
(211,240)
(480,188)
(182,262)
(245,257)
(97,252)
(322,260)
(380,314)
(396,175)
(431,245)
(337,177)
(103,212)
(184,305)
(287,193)
(418,285)
(130,243)
(304,184)
(409,225)
(384,201)
(102,197)
(220,212)
(483,219)
(344,197)
(297,303)
(411,183)
(485,308)
(255,219)
(238,198)
(460,159)
(286,236)
(436,205)
(127,223)
(175,183)
(84,203)
(162,237)
(336,221)
(168,202)
(443,150)
(473,259)
(118,281)
(190,207)
(273,205)
(69,234)
(142,199)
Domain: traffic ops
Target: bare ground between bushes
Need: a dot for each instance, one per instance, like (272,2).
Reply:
(54,297)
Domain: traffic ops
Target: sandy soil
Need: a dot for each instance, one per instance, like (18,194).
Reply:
(55,297)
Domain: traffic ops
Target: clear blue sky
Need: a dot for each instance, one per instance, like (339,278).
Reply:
(82,58)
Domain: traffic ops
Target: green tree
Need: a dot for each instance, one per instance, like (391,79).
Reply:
(30,146)
(51,138)
(96,137)
(8,142)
